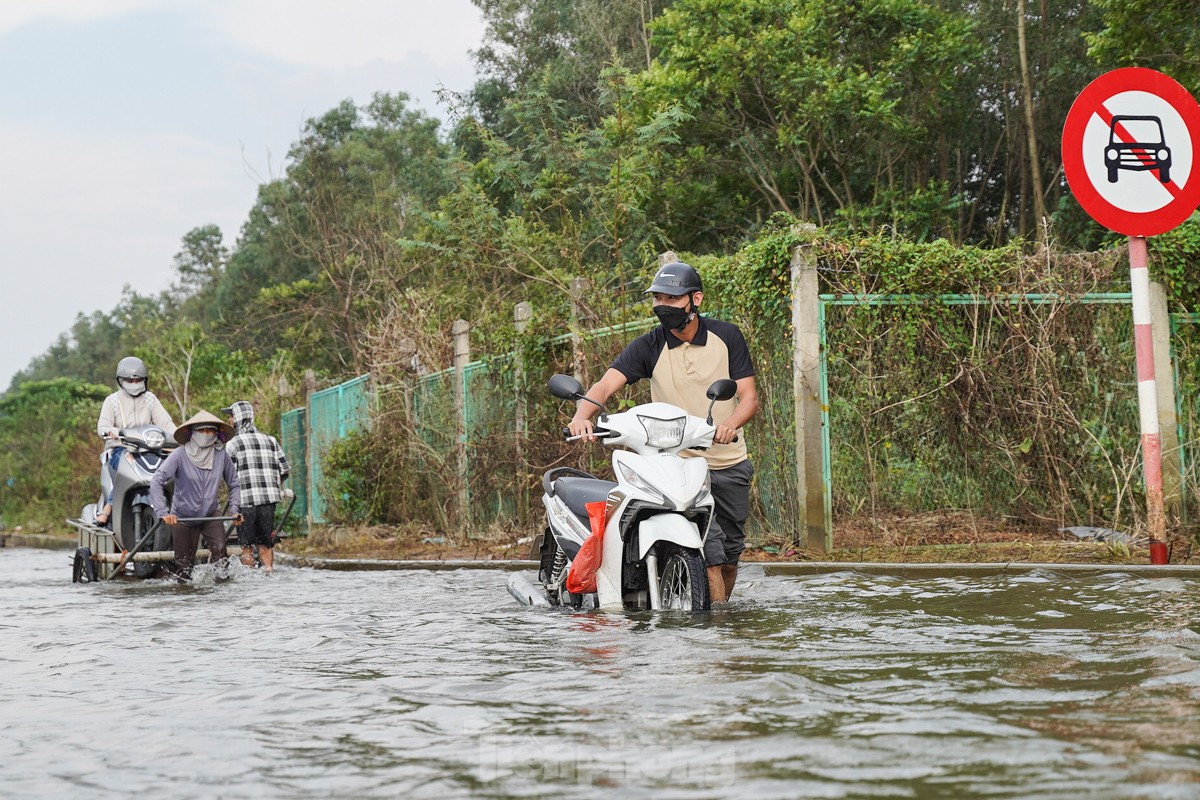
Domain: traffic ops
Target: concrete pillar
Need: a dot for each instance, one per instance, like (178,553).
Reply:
(521,316)
(461,332)
(1168,422)
(816,531)
(308,386)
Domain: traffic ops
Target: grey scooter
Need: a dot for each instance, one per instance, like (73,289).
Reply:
(146,448)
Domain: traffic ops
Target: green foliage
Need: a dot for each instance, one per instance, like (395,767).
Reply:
(1174,256)
(351,495)
(802,106)
(1159,34)
(49,463)
(202,259)
(560,49)
(91,349)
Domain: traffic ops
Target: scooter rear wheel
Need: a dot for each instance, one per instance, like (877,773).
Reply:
(683,584)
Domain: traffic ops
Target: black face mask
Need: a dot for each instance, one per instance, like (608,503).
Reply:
(672,318)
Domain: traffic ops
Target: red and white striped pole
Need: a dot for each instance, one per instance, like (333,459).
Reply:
(1143,342)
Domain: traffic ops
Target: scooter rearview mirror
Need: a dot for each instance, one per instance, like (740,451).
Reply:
(565,387)
(724,389)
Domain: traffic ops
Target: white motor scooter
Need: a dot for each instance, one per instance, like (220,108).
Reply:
(657,512)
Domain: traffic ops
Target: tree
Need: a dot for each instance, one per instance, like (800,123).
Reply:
(825,110)
(201,262)
(90,350)
(558,48)
(323,243)
(1161,35)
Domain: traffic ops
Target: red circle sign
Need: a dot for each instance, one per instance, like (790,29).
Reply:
(1129,150)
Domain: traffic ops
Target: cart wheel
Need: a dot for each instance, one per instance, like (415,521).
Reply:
(83,569)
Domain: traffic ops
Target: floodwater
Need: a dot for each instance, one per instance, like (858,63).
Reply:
(322,684)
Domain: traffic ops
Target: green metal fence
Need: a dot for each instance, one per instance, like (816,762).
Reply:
(332,413)
(293,437)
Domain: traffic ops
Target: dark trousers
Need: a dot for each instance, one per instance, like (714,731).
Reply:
(186,538)
(731,498)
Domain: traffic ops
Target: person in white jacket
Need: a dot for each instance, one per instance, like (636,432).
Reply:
(130,405)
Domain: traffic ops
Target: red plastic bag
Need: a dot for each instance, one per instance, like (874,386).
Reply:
(582,577)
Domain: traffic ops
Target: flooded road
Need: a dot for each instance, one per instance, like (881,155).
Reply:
(321,684)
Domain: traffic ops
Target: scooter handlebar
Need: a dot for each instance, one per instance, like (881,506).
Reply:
(599,433)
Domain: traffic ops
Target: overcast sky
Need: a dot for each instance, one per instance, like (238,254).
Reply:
(126,123)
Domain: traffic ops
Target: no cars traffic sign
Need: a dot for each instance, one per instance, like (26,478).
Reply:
(1129,151)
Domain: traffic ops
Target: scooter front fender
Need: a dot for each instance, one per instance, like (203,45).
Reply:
(674,528)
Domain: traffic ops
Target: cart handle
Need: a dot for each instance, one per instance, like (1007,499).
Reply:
(128,554)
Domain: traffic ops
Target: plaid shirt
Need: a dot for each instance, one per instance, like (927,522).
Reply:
(261,467)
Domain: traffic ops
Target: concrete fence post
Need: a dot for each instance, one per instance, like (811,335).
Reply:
(308,386)
(1168,422)
(816,531)
(461,331)
(521,316)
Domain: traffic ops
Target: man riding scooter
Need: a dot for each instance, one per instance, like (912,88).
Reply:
(130,406)
(681,358)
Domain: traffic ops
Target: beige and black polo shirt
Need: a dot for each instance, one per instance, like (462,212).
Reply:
(680,373)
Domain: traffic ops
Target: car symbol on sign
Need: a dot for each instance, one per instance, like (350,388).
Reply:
(1147,151)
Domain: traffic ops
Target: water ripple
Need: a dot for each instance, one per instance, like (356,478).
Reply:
(312,684)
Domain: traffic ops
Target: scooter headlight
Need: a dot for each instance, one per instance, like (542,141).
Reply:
(154,439)
(663,433)
(634,479)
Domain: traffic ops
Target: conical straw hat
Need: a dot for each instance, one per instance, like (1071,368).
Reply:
(183,434)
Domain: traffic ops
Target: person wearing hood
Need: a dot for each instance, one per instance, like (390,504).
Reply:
(681,358)
(132,404)
(198,469)
(262,468)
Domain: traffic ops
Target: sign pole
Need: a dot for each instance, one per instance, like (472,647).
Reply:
(1143,343)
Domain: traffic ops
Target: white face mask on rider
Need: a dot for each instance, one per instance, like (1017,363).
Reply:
(133,388)
(204,439)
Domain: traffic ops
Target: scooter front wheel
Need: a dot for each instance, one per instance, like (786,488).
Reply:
(683,584)
(143,518)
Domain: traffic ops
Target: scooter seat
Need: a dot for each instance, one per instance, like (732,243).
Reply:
(578,492)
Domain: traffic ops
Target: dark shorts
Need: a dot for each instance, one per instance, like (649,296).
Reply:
(731,496)
(257,527)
